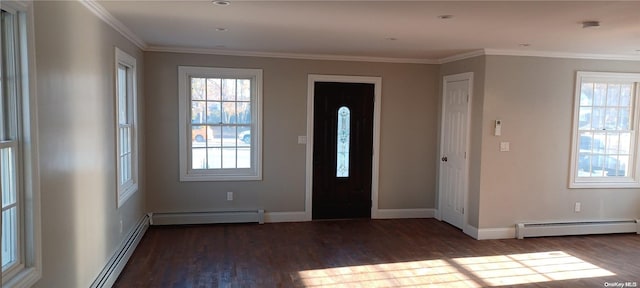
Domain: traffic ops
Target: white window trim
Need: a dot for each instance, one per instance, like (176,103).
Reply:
(631,181)
(129,188)
(30,239)
(184,94)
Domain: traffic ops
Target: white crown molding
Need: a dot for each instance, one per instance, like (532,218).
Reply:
(288,55)
(462,56)
(565,55)
(545,54)
(105,16)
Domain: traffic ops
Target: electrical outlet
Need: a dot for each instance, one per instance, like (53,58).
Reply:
(121,228)
(577,207)
(229,196)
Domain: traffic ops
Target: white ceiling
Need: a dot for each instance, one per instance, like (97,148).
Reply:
(362,28)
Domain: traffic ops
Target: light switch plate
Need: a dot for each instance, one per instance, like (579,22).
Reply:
(302,139)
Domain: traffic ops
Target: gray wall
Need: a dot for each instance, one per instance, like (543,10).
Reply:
(533,97)
(408,134)
(75,90)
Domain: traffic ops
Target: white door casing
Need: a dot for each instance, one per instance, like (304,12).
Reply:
(454,156)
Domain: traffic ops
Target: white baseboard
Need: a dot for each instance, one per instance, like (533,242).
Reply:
(276,217)
(110,272)
(471,231)
(496,233)
(403,213)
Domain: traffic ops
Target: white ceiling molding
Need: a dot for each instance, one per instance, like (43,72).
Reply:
(565,55)
(105,16)
(462,56)
(288,55)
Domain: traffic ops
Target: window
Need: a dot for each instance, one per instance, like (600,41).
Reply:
(126,121)
(219,123)
(344,133)
(605,136)
(21,263)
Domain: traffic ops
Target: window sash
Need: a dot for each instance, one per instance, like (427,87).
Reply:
(204,160)
(126,126)
(226,98)
(605,151)
(11,208)
(10,144)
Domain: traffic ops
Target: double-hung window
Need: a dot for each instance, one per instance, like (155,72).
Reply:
(605,138)
(126,122)
(220,121)
(18,152)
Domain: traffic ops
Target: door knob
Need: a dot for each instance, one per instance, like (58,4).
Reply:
(444,159)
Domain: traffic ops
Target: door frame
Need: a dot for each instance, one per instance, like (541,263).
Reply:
(312,79)
(447,79)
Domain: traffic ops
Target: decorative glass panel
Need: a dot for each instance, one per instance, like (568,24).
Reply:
(344,133)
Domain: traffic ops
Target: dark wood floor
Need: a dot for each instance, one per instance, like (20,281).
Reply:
(373,253)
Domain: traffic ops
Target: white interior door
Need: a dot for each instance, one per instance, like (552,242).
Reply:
(453,161)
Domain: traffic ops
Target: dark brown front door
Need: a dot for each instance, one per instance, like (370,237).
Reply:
(342,150)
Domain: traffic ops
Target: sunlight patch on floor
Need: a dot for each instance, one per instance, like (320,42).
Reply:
(529,268)
(428,272)
(458,272)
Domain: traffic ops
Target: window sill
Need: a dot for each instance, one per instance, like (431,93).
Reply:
(604,185)
(25,278)
(204,178)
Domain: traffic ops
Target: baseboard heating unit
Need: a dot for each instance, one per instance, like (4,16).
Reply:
(211,217)
(576,228)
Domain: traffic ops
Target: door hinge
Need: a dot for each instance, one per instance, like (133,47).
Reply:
(467,98)
(465,155)
(462,210)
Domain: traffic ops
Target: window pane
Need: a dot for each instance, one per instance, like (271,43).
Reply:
(613,94)
(244,90)
(625,143)
(229,136)
(214,113)
(198,135)
(198,158)
(197,88)
(244,157)
(214,157)
(229,158)
(611,118)
(9,236)
(8,177)
(213,89)
(597,119)
(229,112)
(197,112)
(243,113)
(244,136)
(229,89)
(599,94)
(213,136)
(624,121)
(122,94)
(625,95)
(585,118)
(586,94)
(344,130)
